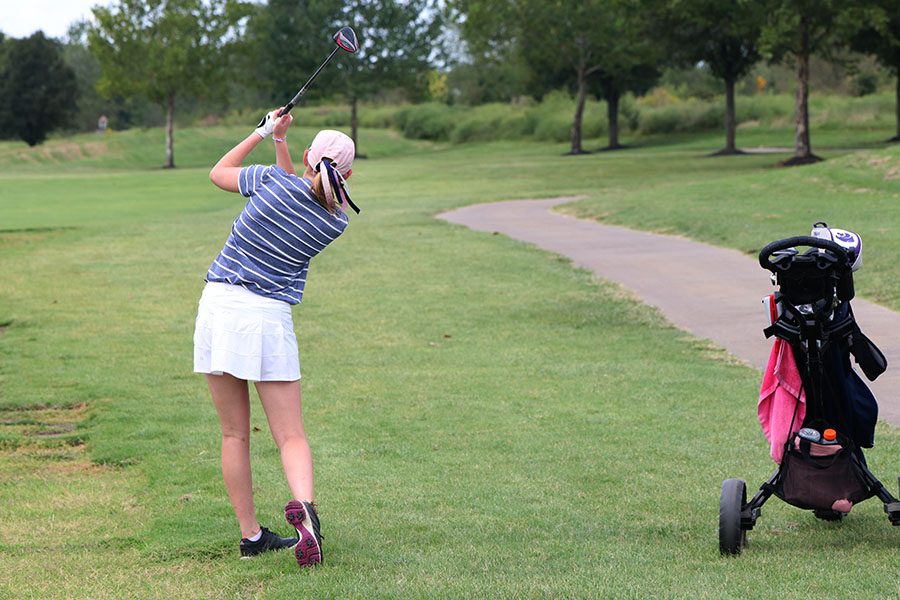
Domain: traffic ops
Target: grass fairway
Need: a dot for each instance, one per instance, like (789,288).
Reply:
(745,209)
(486,420)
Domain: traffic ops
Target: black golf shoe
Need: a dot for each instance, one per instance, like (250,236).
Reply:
(268,541)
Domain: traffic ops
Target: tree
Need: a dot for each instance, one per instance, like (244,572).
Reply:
(722,34)
(37,89)
(881,39)
(594,45)
(489,67)
(797,29)
(286,41)
(397,41)
(161,49)
(5,120)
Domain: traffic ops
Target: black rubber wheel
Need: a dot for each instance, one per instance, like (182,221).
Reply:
(731,537)
(829,515)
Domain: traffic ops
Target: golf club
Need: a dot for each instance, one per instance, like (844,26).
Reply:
(346,40)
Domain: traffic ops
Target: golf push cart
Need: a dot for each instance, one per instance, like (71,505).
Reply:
(820,413)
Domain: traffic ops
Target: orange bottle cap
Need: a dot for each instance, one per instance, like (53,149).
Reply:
(829,435)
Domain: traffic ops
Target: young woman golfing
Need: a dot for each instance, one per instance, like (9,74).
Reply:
(244,330)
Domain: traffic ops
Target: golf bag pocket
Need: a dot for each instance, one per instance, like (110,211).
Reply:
(815,482)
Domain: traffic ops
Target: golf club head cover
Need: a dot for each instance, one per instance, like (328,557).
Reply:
(335,186)
(266,125)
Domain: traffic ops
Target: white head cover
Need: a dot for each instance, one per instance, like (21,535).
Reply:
(849,241)
(335,145)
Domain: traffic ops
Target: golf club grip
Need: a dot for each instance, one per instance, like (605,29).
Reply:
(800,240)
(287,108)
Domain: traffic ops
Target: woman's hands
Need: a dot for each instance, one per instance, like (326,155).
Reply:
(272,123)
(226,172)
(282,155)
(282,124)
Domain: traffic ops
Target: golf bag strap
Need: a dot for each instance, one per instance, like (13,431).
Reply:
(840,329)
(868,356)
(782,330)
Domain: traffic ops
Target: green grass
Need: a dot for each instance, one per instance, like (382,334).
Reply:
(742,207)
(486,420)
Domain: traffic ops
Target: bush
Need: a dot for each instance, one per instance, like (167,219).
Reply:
(865,84)
(766,108)
(551,119)
(689,115)
(494,122)
(428,121)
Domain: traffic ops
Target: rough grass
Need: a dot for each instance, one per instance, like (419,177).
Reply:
(658,113)
(486,420)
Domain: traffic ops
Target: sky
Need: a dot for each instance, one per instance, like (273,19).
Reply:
(21,18)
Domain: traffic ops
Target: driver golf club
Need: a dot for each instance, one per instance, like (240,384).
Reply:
(346,40)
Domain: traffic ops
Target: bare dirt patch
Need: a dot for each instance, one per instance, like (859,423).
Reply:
(42,427)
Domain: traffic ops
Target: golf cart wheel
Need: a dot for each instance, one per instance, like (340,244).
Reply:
(829,515)
(731,537)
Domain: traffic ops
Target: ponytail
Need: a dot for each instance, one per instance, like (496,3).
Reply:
(329,187)
(318,192)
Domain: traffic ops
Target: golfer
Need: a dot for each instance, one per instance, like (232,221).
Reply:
(244,330)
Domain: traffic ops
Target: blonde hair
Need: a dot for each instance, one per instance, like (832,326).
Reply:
(318,191)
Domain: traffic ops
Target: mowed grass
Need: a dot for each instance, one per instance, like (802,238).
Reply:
(746,208)
(486,420)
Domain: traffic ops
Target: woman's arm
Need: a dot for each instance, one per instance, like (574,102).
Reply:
(282,154)
(226,172)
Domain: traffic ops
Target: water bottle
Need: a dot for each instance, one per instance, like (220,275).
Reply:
(829,437)
(810,434)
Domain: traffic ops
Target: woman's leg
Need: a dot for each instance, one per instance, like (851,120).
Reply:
(232,400)
(281,401)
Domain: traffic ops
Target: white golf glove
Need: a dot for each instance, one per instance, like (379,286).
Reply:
(266,125)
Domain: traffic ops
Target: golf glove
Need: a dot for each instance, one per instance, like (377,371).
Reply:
(266,125)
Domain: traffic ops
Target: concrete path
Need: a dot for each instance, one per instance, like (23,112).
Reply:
(712,292)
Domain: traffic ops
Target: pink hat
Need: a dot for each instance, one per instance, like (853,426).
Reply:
(335,145)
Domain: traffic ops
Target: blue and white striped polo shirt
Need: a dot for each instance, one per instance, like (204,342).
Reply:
(275,236)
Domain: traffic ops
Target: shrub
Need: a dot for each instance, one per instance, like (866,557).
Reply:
(493,122)
(428,121)
(865,83)
(690,115)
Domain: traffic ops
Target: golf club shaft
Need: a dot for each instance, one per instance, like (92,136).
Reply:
(302,91)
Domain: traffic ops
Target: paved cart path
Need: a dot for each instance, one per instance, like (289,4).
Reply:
(711,292)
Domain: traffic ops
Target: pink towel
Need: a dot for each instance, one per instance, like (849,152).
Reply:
(778,396)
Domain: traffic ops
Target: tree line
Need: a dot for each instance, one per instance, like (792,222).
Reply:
(142,57)
(611,47)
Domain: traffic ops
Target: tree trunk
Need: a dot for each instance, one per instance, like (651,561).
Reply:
(170,123)
(896,138)
(579,114)
(730,121)
(802,147)
(730,117)
(354,123)
(612,118)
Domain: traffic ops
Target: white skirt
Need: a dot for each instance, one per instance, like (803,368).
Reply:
(245,335)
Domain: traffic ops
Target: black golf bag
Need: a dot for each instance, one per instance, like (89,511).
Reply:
(822,466)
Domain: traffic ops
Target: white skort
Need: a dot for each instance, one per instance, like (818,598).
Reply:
(244,334)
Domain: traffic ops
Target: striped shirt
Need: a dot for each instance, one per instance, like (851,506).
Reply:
(273,239)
